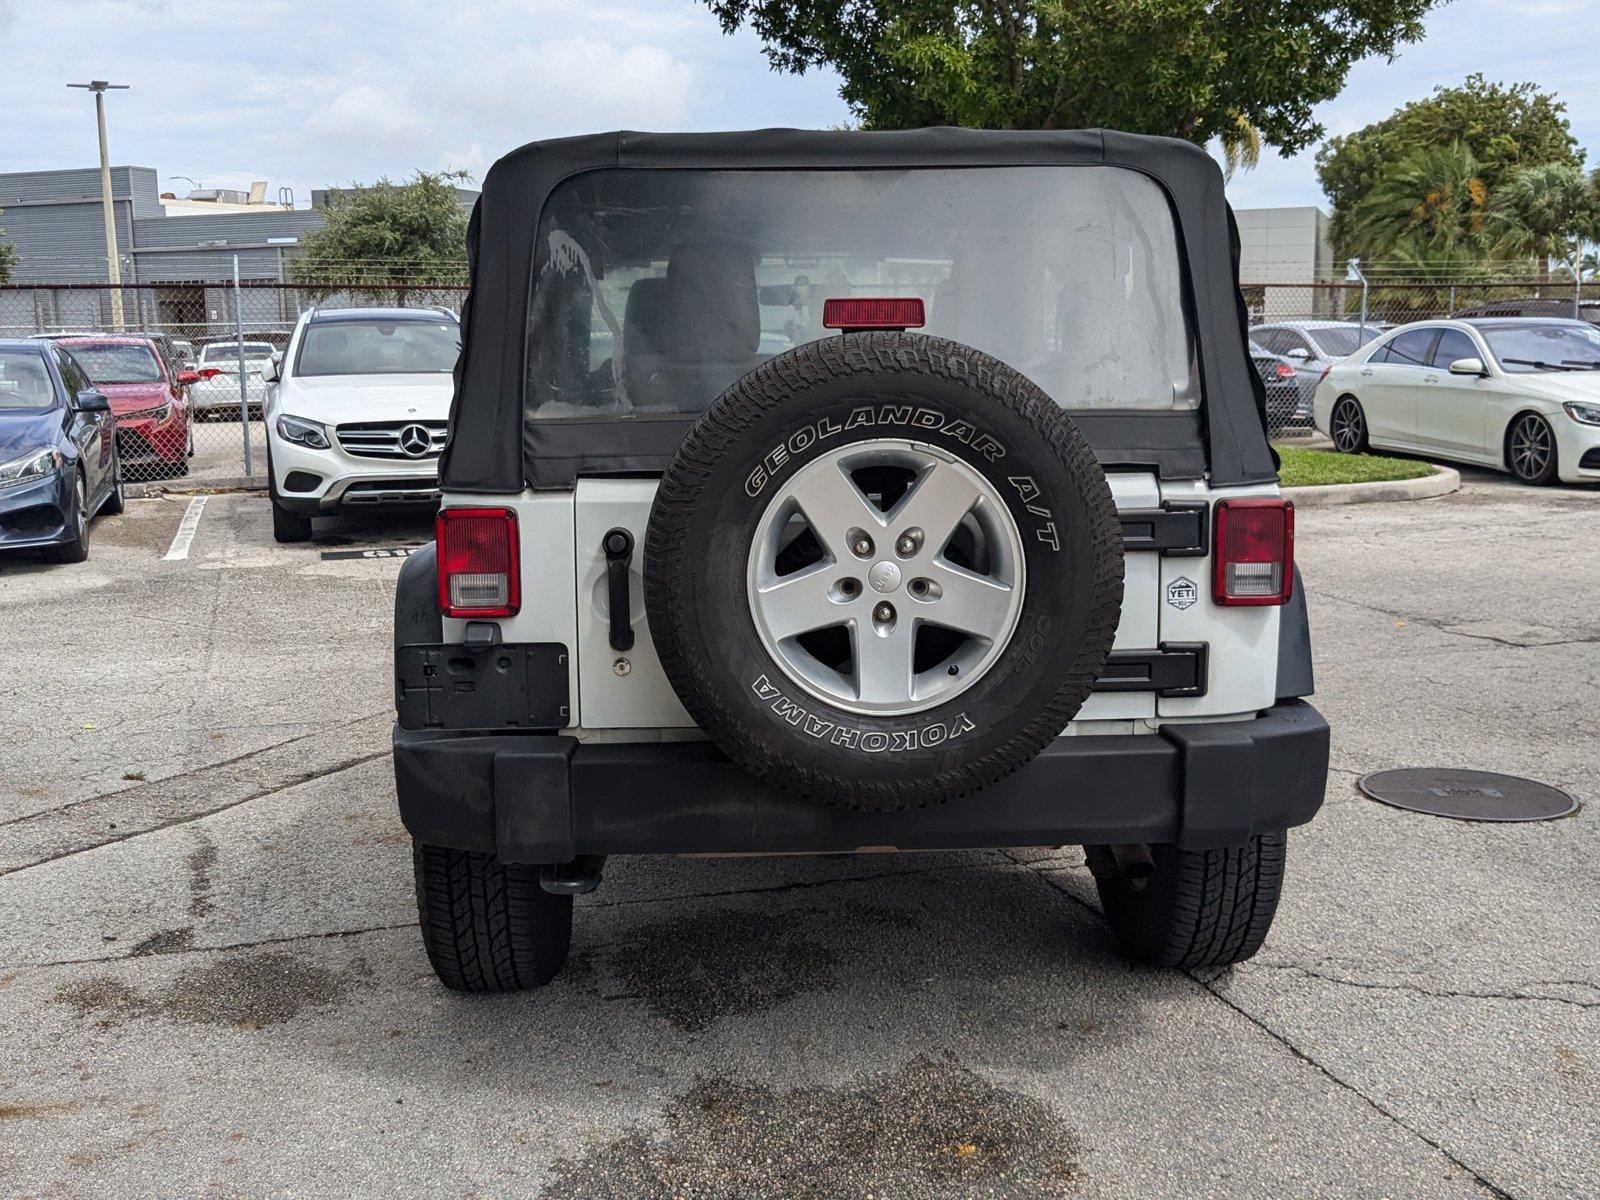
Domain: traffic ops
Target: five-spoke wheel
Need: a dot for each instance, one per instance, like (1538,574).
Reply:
(886,577)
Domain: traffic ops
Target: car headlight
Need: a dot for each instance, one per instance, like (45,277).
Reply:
(303,433)
(1584,414)
(159,413)
(32,467)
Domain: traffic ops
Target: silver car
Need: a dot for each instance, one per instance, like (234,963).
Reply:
(1314,346)
(217,391)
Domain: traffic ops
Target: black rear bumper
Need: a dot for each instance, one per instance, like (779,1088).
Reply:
(543,798)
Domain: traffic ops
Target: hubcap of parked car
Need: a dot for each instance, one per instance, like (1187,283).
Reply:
(1346,427)
(886,577)
(1530,448)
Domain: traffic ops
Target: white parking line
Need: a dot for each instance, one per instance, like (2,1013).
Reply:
(186,528)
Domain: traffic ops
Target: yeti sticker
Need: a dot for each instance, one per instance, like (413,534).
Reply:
(1182,593)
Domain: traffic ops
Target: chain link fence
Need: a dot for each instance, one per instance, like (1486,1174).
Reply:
(181,362)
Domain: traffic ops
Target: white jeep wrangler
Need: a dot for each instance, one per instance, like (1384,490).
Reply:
(831,492)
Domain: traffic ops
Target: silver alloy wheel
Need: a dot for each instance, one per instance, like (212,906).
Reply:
(1347,425)
(80,522)
(1530,447)
(946,555)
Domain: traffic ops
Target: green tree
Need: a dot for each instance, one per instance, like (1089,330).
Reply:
(1504,127)
(1196,69)
(380,238)
(8,257)
(1548,212)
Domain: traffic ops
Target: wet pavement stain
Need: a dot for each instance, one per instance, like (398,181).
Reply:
(724,962)
(929,1131)
(247,992)
(202,861)
(166,941)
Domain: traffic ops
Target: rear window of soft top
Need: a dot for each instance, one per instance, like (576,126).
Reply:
(656,289)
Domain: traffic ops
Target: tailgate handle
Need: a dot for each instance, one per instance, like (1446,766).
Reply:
(618,545)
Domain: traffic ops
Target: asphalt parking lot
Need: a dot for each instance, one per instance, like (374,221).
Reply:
(211,981)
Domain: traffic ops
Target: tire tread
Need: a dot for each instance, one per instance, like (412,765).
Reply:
(487,925)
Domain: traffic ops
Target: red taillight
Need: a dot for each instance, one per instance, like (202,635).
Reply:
(1253,552)
(208,372)
(873,312)
(478,574)
(1283,371)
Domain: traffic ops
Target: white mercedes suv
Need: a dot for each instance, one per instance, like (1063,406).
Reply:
(357,408)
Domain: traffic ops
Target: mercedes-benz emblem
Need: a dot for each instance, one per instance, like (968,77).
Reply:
(415,440)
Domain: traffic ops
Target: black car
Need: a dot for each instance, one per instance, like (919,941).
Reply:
(1287,404)
(58,452)
(1532,306)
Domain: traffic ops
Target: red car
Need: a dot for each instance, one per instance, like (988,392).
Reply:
(149,400)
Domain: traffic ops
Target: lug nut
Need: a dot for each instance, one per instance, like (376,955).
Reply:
(884,613)
(862,546)
(906,546)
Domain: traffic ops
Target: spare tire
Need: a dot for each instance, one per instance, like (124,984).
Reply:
(883,570)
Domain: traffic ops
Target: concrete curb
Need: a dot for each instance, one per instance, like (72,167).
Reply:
(1442,482)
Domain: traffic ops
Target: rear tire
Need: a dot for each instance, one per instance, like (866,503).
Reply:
(488,926)
(1347,426)
(1201,908)
(117,501)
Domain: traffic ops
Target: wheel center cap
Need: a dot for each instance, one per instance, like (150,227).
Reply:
(884,577)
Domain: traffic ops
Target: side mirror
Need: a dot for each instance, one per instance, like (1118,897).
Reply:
(92,400)
(187,377)
(269,370)
(1469,366)
(1299,354)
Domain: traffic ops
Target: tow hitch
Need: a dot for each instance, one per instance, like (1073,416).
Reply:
(576,878)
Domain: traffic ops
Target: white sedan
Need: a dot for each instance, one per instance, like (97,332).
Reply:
(217,390)
(1517,394)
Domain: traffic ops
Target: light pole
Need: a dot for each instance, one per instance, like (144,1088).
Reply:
(113,261)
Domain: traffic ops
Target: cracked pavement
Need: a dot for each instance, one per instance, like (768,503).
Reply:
(211,980)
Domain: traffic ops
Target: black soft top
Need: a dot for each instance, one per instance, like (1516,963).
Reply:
(490,451)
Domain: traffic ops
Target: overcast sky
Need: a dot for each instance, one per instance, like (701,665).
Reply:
(340,91)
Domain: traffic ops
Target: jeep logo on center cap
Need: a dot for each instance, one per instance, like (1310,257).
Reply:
(415,440)
(884,577)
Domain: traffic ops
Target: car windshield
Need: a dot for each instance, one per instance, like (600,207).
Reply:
(1522,349)
(655,290)
(379,347)
(24,381)
(229,352)
(1337,341)
(114,362)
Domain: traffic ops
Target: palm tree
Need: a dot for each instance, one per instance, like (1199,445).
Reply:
(1241,145)
(1432,204)
(1547,212)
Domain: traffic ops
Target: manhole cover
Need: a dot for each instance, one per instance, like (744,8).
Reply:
(1467,795)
